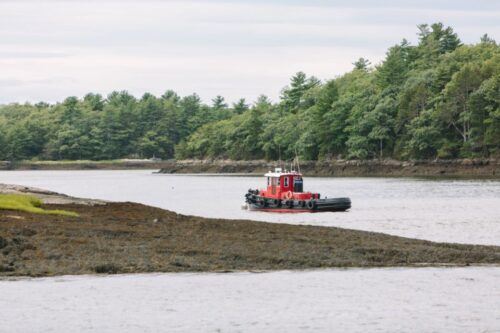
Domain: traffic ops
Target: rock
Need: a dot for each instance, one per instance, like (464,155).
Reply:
(3,242)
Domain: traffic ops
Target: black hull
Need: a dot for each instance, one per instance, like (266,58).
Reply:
(256,202)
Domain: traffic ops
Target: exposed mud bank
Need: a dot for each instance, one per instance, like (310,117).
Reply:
(134,238)
(488,168)
(440,168)
(83,165)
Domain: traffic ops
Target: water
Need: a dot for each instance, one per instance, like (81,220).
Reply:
(352,300)
(462,211)
(340,300)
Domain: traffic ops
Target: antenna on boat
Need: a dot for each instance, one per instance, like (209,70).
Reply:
(279,156)
(297,160)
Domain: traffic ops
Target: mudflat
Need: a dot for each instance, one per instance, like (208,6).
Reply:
(134,238)
(485,168)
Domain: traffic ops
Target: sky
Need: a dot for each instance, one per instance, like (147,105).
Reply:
(242,48)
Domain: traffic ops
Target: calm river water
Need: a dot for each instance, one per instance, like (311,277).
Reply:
(463,211)
(351,300)
(342,300)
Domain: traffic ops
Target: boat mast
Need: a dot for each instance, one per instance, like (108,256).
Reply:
(297,160)
(279,157)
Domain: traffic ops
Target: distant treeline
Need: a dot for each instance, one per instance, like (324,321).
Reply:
(438,99)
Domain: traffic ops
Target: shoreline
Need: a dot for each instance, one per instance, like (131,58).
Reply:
(473,168)
(126,237)
(8,278)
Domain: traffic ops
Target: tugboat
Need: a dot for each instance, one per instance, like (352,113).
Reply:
(284,193)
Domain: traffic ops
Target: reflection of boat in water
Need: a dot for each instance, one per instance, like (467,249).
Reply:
(284,193)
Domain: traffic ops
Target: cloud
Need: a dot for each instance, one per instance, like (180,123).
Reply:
(234,48)
(30,55)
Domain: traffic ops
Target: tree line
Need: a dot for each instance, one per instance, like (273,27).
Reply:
(437,99)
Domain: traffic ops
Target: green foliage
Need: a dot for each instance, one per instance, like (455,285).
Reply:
(293,95)
(241,106)
(437,99)
(29,204)
(424,136)
(95,128)
(393,72)
(362,64)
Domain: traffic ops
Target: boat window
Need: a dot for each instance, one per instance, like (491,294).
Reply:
(286,181)
(268,181)
(298,184)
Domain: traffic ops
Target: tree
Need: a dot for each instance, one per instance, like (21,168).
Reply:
(26,139)
(424,136)
(190,116)
(263,103)
(448,40)
(361,64)
(218,103)
(94,102)
(382,119)
(455,110)
(423,32)
(485,110)
(71,109)
(394,70)
(292,96)
(358,144)
(3,140)
(152,144)
(438,38)
(416,96)
(249,131)
(150,111)
(485,39)
(240,106)
(171,95)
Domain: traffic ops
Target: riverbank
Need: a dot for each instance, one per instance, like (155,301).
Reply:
(133,238)
(122,164)
(486,168)
(489,168)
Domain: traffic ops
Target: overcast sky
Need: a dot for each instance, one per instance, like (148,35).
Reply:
(53,49)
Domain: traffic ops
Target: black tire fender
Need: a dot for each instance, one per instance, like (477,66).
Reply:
(311,204)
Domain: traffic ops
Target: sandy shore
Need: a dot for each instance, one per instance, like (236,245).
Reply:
(133,238)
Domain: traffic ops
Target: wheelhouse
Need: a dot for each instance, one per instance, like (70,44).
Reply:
(281,183)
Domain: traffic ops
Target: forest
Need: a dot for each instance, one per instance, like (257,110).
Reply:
(438,99)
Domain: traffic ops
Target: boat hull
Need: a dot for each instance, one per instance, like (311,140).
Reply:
(260,203)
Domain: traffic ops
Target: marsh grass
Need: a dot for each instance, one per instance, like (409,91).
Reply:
(28,204)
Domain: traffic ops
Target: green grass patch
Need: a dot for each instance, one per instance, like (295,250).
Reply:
(29,204)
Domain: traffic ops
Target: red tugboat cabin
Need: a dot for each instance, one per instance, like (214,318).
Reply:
(287,185)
